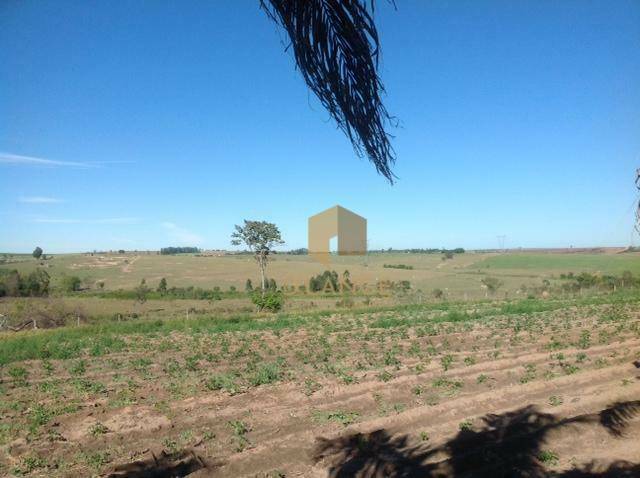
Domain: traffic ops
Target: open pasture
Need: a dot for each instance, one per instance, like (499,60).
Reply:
(459,277)
(437,390)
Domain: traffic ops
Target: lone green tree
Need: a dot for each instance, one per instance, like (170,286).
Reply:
(37,252)
(141,291)
(71,283)
(162,286)
(491,284)
(260,237)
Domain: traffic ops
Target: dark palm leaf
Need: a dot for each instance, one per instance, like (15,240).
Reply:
(336,46)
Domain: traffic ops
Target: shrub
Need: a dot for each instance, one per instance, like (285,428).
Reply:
(327,281)
(271,300)
(70,283)
(223,381)
(266,373)
(491,284)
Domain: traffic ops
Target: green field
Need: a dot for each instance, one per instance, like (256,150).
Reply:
(458,279)
(460,275)
(559,263)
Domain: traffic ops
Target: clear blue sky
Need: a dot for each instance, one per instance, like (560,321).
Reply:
(167,122)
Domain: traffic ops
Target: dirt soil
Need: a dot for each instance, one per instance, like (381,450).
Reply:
(378,394)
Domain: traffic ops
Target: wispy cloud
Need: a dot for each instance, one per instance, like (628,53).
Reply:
(182,236)
(115,220)
(39,200)
(110,220)
(10,158)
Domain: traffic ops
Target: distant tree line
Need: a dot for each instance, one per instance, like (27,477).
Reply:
(179,250)
(457,250)
(397,266)
(303,251)
(143,292)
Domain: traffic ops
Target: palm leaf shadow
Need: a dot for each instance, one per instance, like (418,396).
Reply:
(506,445)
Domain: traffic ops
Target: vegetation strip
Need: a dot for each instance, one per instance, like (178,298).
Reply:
(70,342)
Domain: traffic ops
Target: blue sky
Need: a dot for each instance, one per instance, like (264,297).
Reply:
(167,122)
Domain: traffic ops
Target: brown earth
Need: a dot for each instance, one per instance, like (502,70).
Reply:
(403,393)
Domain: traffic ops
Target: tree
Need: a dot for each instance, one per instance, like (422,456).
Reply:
(491,284)
(37,252)
(37,283)
(346,281)
(447,255)
(13,284)
(142,290)
(260,237)
(71,283)
(162,286)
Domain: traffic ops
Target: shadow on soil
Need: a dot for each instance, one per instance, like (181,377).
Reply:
(166,465)
(507,445)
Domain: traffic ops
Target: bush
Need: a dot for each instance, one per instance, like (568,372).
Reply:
(36,284)
(271,300)
(71,283)
(491,284)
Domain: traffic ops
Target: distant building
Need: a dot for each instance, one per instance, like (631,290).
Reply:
(350,228)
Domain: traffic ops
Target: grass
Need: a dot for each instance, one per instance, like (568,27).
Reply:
(30,464)
(548,457)
(446,362)
(603,263)
(344,418)
(98,429)
(223,381)
(466,425)
(266,373)
(555,401)
(240,430)
(111,336)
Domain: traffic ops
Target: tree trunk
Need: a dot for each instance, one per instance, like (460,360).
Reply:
(262,274)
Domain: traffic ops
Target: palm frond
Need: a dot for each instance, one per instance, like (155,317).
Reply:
(336,46)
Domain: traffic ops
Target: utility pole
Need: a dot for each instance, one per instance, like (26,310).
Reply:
(501,241)
(638,210)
